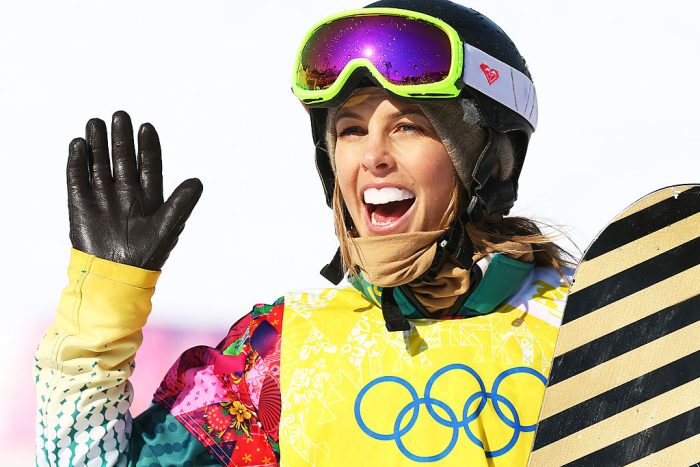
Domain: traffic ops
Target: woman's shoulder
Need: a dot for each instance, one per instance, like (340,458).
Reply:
(334,297)
(231,391)
(250,342)
(543,294)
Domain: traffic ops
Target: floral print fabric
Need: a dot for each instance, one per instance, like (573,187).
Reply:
(228,397)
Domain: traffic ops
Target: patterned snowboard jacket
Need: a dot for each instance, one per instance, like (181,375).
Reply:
(311,379)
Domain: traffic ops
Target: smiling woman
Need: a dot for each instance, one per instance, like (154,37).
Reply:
(452,304)
(394,173)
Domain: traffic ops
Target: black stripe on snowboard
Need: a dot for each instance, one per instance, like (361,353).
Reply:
(632,280)
(618,399)
(642,223)
(645,442)
(623,340)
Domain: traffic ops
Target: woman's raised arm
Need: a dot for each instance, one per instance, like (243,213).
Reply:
(122,232)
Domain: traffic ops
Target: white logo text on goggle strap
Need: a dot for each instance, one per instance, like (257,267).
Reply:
(500,82)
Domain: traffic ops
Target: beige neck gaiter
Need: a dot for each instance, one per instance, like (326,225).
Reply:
(393,260)
(451,283)
(398,259)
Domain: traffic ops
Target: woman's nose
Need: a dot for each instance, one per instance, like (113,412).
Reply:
(378,157)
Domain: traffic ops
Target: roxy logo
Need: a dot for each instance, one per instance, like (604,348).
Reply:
(490,73)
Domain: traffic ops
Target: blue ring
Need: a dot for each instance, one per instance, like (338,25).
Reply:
(436,457)
(429,402)
(497,382)
(440,372)
(516,429)
(414,403)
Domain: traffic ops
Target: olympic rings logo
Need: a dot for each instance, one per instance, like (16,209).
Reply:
(452,421)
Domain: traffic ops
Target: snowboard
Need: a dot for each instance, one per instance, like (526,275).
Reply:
(625,382)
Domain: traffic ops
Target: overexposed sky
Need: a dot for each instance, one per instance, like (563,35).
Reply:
(618,99)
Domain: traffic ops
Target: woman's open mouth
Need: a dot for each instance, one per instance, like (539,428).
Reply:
(387,208)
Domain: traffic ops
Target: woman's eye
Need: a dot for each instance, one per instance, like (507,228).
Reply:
(349,131)
(409,128)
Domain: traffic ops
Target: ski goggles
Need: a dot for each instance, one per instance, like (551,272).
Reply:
(409,54)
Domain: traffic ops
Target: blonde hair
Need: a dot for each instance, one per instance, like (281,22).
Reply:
(497,238)
(494,235)
(340,214)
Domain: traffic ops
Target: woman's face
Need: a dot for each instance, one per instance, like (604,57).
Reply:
(394,172)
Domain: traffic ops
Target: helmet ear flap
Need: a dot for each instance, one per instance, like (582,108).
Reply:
(505,165)
(323,162)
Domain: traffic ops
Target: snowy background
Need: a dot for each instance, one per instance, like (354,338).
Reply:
(618,98)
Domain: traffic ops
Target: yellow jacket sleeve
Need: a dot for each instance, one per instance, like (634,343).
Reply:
(84,361)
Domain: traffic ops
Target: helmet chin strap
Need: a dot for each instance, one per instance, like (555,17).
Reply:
(334,271)
(477,208)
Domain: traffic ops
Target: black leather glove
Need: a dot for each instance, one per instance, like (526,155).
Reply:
(121,216)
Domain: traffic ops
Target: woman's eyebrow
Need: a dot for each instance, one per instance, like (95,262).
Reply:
(347,114)
(392,116)
(403,113)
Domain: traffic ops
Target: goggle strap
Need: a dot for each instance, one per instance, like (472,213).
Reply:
(500,82)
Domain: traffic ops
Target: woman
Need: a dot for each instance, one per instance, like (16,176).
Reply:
(437,354)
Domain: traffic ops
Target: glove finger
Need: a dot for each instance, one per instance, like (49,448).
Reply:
(78,181)
(123,152)
(150,167)
(162,252)
(171,218)
(175,211)
(77,174)
(98,152)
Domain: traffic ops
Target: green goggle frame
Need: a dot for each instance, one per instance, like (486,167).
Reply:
(375,24)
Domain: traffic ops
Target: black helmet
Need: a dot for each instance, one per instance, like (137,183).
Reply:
(487,196)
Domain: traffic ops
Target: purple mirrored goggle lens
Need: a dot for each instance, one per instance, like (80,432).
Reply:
(405,51)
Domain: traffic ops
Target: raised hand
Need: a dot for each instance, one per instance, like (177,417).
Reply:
(119,214)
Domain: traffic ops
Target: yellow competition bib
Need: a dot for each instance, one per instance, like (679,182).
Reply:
(447,393)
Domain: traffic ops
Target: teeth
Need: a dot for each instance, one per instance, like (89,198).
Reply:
(386,195)
(376,222)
